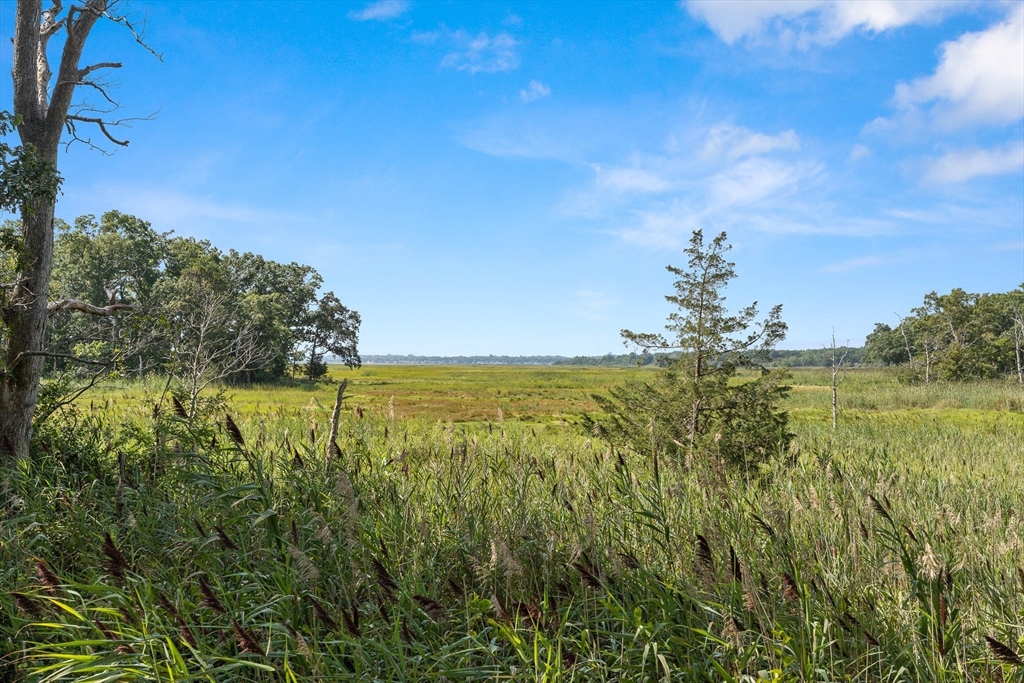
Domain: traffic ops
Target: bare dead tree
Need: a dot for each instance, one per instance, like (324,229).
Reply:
(335,419)
(1017,315)
(212,341)
(45,109)
(906,341)
(838,375)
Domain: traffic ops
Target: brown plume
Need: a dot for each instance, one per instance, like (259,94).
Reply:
(1003,652)
(116,563)
(47,577)
(233,431)
(209,597)
(322,615)
(179,409)
(246,640)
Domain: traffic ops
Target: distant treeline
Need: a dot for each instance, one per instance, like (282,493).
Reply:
(779,358)
(805,358)
(391,359)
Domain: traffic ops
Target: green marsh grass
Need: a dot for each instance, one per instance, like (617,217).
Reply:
(451,542)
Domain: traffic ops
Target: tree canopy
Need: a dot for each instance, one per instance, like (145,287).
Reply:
(192,310)
(955,336)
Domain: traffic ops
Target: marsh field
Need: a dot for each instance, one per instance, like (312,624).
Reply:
(467,528)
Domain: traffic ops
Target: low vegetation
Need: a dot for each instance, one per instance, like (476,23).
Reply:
(422,549)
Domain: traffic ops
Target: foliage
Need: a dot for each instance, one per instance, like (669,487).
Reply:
(197,313)
(422,551)
(956,336)
(692,408)
(331,328)
(814,358)
(25,179)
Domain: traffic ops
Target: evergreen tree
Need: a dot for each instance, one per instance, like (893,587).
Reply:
(692,408)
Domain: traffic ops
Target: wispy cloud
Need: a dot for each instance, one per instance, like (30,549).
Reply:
(858,152)
(859,263)
(594,304)
(727,175)
(382,10)
(753,180)
(735,142)
(964,164)
(1012,245)
(169,209)
(631,180)
(481,53)
(534,91)
(802,23)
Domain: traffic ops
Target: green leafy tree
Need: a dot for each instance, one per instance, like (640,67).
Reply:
(277,298)
(955,337)
(331,328)
(693,407)
(885,345)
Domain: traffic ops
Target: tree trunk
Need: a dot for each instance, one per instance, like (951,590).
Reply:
(835,399)
(44,114)
(26,327)
(1018,339)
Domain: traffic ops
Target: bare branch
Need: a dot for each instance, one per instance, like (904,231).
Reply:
(82,73)
(139,35)
(102,91)
(73,396)
(77,305)
(78,23)
(66,356)
(103,127)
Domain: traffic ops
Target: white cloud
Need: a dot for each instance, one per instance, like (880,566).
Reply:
(734,142)
(630,180)
(879,260)
(979,79)
(1012,245)
(961,165)
(169,209)
(717,177)
(483,53)
(534,91)
(753,180)
(594,304)
(858,152)
(805,22)
(860,263)
(382,10)
(722,177)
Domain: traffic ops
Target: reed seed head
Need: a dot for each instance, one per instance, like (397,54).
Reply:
(246,640)
(1003,652)
(209,597)
(46,576)
(233,431)
(116,562)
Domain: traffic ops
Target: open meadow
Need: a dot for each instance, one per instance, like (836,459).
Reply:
(466,528)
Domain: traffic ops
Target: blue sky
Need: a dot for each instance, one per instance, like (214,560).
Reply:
(512,178)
